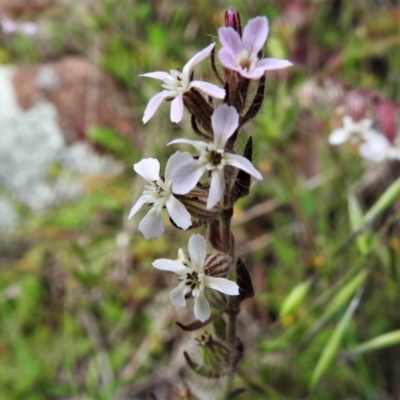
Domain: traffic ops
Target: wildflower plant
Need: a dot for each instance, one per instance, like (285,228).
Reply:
(200,189)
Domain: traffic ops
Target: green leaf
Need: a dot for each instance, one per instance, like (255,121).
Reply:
(379,342)
(332,346)
(356,221)
(391,194)
(294,298)
(110,140)
(341,298)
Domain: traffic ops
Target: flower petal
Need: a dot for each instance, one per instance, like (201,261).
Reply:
(256,73)
(255,34)
(209,88)
(178,213)
(153,105)
(137,206)
(230,40)
(375,148)
(177,109)
(186,177)
(201,307)
(177,295)
(224,121)
(217,187)
(198,144)
(228,60)
(148,168)
(242,163)
(223,285)
(268,64)
(338,136)
(165,264)
(200,56)
(152,224)
(177,159)
(197,252)
(161,75)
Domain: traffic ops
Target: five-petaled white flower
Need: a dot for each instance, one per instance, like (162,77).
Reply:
(378,148)
(241,54)
(159,195)
(176,84)
(193,278)
(213,158)
(354,130)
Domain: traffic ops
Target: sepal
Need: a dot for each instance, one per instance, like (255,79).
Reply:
(243,179)
(246,289)
(215,357)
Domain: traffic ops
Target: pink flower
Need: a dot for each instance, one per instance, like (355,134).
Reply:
(176,84)
(241,53)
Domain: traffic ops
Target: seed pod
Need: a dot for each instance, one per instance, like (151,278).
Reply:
(216,357)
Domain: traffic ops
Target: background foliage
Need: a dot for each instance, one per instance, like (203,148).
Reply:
(82,312)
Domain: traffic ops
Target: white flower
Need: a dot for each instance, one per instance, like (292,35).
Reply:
(193,278)
(213,158)
(159,195)
(241,54)
(358,130)
(176,84)
(378,148)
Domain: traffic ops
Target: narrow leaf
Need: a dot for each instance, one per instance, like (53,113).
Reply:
(391,194)
(356,221)
(294,298)
(332,346)
(341,298)
(379,342)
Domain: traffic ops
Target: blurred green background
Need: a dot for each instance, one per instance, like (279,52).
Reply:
(83,314)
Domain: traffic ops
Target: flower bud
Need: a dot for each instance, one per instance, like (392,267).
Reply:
(232,19)
(355,105)
(385,114)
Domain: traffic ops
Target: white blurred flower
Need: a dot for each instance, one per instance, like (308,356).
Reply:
(193,278)
(213,158)
(354,130)
(8,26)
(176,84)
(159,195)
(378,148)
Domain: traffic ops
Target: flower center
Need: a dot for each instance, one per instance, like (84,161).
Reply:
(177,82)
(159,192)
(192,280)
(246,61)
(213,158)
